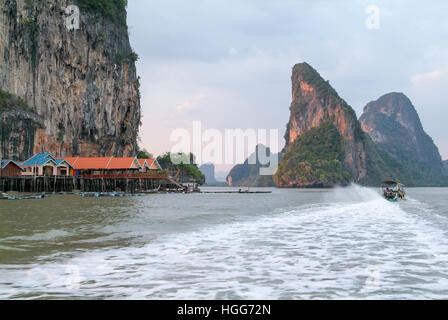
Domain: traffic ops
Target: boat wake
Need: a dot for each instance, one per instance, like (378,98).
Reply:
(351,245)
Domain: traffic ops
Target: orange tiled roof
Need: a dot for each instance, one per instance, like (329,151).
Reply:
(71,160)
(142,162)
(123,163)
(91,163)
(102,163)
(152,163)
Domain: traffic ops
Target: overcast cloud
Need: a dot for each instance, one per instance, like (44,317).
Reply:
(228,63)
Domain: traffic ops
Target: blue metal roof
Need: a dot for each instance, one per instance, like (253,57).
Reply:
(39,159)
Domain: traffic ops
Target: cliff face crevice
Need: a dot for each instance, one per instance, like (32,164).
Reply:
(81,83)
(18,127)
(394,125)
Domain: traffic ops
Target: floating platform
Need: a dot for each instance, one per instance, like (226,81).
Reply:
(236,192)
(111,194)
(22,197)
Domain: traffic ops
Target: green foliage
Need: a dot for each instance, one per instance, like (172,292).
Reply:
(8,100)
(315,159)
(143,154)
(186,166)
(134,57)
(61,135)
(30,29)
(397,158)
(381,166)
(248,174)
(120,58)
(28,4)
(313,78)
(109,9)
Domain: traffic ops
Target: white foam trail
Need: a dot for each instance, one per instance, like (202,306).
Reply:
(356,245)
(352,193)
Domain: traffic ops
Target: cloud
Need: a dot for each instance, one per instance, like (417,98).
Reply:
(430,79)
(192,103)
(228,63)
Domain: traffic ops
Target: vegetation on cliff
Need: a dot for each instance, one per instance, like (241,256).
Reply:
(143,153)
(110,9)
(248,173)
(8,100)
(445,164)
(187,169)
(314,159)
(381,166)
(395,127)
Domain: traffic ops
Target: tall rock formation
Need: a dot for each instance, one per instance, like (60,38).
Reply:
(325,144)
(80,85)
(445,164)
(394,125)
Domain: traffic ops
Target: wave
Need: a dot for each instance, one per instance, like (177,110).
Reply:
(352,244)
(44,236)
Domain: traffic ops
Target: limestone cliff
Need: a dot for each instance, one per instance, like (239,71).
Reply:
(445,164)
(325,145)
(394,125)
(80,85)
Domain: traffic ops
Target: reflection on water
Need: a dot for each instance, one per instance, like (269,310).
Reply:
(291,244)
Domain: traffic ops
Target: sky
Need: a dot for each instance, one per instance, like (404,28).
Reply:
(228,63)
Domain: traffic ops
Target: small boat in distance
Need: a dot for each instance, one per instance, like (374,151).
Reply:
(393,191)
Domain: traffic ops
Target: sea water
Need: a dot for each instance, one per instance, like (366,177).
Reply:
(345,243)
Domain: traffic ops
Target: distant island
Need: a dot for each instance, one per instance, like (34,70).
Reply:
(247,174)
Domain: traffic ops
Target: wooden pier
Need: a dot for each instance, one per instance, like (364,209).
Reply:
(127,183)
(37,184)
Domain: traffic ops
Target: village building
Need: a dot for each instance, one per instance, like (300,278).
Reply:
(149,165)
(103,166)
(9,168)
(44,164)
